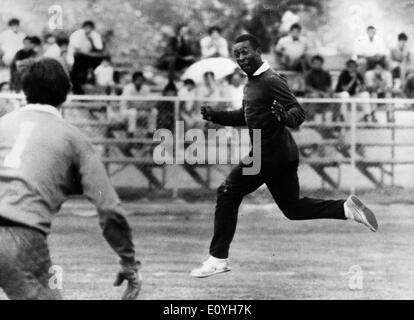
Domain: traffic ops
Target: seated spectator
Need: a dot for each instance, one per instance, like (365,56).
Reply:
(233,89)
(318,85)
(379,81)
(11,41)
(49,40)
(37,45)
(400,58)
(166,109)
(88,49)
(214,45)
(371,48)
(351,84)
(188,109)
(209,89)
(104,75)
(128,112)
(291,50)
(7,105)
(61,52)
(28,52)
(180,52)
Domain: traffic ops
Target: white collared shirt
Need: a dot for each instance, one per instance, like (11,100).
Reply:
(263,68)
(42,108)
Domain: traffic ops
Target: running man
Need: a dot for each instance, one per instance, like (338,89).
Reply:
(43,160)
(270,106)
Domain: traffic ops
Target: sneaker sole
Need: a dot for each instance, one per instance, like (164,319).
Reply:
(211,274)
(369,215)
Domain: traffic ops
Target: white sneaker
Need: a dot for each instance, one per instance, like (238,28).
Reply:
(358,212)
(211,267)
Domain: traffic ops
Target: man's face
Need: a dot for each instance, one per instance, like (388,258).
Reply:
(15,28)
(139,81)
(295,33)
(402,43)
(27,45)
(248,59)
(378,69)
(184,31)
(88,29)
(215,35)
(317,64)
(236,80)
(371,33)
(352,67)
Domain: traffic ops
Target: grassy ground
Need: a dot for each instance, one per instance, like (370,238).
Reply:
(272,258)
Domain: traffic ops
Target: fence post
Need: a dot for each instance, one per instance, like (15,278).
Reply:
(176,136)
(353,146)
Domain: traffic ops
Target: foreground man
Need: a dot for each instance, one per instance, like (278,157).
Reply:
(43,160)
(268,105)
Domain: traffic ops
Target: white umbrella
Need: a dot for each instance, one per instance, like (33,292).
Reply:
(221,67)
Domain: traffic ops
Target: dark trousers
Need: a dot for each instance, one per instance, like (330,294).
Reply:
(25,264)
(283,184)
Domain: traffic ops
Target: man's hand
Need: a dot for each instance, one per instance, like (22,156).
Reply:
(278,111)
(131,274)
(207,113)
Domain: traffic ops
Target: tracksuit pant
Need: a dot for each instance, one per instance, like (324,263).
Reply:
(282,182)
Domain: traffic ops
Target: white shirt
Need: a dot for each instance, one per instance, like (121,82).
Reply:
(214,48)
(10,43)
(42,108)
(294,49)
(104,75)
(367,48)
(78,40)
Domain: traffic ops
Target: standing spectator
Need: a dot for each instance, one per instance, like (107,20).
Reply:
(49,41)
(209,88)
(11,41)
(128,112)
(28,52)
(214,45)
(88,50)
(371,48)
(400,58)
(179,53)
(351,84)
(104,75)
(188,112)
(291,50)
(318,85)
(166,109)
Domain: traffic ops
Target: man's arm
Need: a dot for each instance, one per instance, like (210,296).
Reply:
(234,118)
(293,114)
(98,189)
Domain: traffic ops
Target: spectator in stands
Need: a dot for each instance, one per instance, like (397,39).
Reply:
(379,81)
(11,41)
(60,51)
(49,41)
(318,85)
(28,52)
(128,113)
(179,53)
(291,50)
(214,45)
(209,89)
(7,105)
(166,109)
(234,88)
(88,49)
(371,48)
(37,45)
(351,84)
(400,58)
(104,75)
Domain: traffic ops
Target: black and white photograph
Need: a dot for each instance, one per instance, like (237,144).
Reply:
(204,151)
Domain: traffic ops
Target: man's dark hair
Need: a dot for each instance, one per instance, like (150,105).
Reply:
(254,42)
(170,87)
(379,63)
(138,74)
(3,84)
(61,41)
(402,37)
(209,73)
(296,26)
(14,22)
(214,28)
(45,81)
(88,23)
(351,61)
(371,28)
(36,40)
(28,38)
(318,58)
(189,82)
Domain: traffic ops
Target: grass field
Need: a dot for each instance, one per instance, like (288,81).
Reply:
(272,258)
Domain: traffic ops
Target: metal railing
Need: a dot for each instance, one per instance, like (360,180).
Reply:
(361,149)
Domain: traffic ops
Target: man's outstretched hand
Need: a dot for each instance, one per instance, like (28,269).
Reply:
(278,111)
(207,113)
(131,274)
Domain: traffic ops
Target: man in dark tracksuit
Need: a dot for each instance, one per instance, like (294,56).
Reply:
(270,106)
(43,160)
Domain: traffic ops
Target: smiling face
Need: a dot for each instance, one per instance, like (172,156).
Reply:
(248,58)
